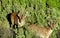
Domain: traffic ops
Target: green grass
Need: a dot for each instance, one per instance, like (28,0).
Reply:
(38,11)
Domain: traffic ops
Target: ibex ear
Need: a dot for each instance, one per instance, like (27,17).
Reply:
(49,24)
(19,19)
(12,10)
(18,12)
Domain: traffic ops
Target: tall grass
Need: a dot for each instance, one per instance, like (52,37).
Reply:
(38,11)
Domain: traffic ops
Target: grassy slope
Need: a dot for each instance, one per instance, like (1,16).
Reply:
(39,11)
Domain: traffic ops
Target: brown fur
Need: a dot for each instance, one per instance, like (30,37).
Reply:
(14,20)
(43,32)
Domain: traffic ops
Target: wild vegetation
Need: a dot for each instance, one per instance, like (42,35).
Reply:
(38,12)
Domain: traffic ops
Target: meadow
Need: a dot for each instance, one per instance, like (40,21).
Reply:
(38,12)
